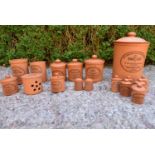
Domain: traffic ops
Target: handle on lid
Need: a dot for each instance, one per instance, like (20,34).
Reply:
(57,60)
(94,56)
(74,60)
(132,34)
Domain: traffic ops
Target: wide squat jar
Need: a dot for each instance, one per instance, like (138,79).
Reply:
(74,70)
(19,67)
(94,68)
(129,56)
(32,83)
(39,67)
(58,67)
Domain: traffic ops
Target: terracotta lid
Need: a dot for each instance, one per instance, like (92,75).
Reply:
(126,81)
(58,62)
(7,79)
(131,38)
(36,62)
(94,60)
(138,87)
(57,76)
(78,80)
(116,77)
(32,75)
(16,61)
(74,62)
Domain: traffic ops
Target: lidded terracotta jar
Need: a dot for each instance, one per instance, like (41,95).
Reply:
(9,85)
(78,84)
(19,67)
(129,56)
(32,83)
(57,83)
(39,67)
(58,67)
(115,83)
(88,84)
(74,70)
(94,68)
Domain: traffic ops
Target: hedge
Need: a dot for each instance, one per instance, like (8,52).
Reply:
(46,42)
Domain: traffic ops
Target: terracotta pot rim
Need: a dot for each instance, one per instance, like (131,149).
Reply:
(31,75)
(16,61)
(11,79)
(116,42)
(35,62)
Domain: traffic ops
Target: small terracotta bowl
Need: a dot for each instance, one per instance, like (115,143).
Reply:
(32,83)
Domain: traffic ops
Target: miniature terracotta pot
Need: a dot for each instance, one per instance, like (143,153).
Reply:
(19,68)
(94,68)
(78,84)
(74,70)
(32,83)
(129,56)
(39,67)
(88,84)
(57,83)
(58,67)
(9,85)
(115,83)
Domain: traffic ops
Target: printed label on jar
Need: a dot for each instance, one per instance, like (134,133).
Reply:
(10,89)
(56,85)
(36,69)
(18,71)
(74,73)
(132,61)
(93,72)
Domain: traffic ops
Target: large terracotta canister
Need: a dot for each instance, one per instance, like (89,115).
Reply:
(19,67)
(74,70)
(94,68)
(129,56)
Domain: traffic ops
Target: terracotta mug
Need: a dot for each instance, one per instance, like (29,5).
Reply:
(19,68)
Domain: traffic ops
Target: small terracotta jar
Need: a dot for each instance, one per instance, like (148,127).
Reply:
(125,88)
(146,81)
(57,83)
(129,56)
(39,67)
(9,85)
(19,68)
(138,93)
(32,83)
(74,70)
(58,67)
(88,84)
(94,68)
(78,84)
(115,83)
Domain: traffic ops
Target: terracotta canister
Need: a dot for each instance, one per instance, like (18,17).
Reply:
(74,70)
(39,67)
(129,56)
(88,84)
(78,84)
(58,67)
(9,85)
(115,83)
(57,83)
(125,87)
(19,68)
(138,93)
(32,83)
(94,68)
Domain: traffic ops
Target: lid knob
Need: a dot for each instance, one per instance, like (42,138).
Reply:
(116,76)
(7,76)
(57,60)
(74,60)
(94,56)
(132,34)
(139,85)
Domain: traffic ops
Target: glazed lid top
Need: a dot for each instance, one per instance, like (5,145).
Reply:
(131,38)
(58,76)
(8,78)
(16,61)
(138,87)
(75,62)
(58,62)
(31,75)
(94,60)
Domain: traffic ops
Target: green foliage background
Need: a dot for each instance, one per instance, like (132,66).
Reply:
(67,42)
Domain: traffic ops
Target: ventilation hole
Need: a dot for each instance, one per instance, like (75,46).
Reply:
(34,89)
(36,85)
(39,83)
(36,81)
(32,85)
(39,88)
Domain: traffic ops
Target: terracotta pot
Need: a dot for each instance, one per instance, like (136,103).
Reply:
(88,84)
(39,67)
(32,83)
(57,83)
(19,68)
(9,85)
(78,84)
(129,56)
(94,68)
(138,93)
(115,83)
(74,70)
(58,67)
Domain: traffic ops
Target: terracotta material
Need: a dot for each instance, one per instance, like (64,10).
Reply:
(125,88)
(9,85)
(138,93)
(78,84)
(74,70)
(57,83)
(129,56)
(146,81)
(39,67)
(94,68)
(32,83)
(19,68)
(115,84)
(58,67)
(88,84)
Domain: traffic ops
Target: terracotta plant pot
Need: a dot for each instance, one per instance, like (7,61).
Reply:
(19,68)
(94,68)
(88,85)
(115,83)
(32,83)
(57,83)
(129,56)
(9,85)
(74,70)
(78,84)
(39,67)
(58,67)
